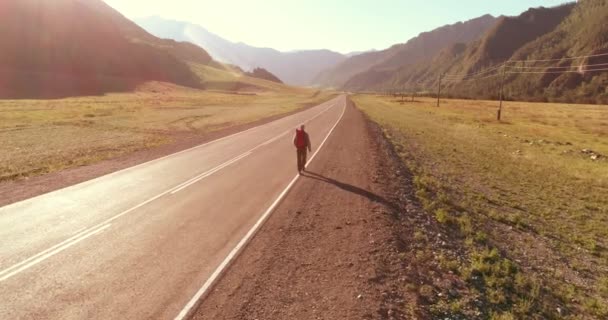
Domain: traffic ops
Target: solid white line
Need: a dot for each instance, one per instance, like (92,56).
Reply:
(80,230)
(324,140)
(77,235)
(207,174)
(73,238)
(41,256)
(197,298)
(54,252)
(159,159)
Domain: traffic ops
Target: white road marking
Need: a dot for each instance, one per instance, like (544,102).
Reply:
(41,256)
(77,235)
(80,230)
(326,137)
(215,276)
(6,274)
(208,173)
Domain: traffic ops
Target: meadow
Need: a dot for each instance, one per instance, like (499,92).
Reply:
(524,200)
(44,136)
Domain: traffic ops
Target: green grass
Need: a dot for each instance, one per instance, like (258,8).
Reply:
(525,202)
(43,136)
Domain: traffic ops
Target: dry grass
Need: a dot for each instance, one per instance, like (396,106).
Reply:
(42,136)
(528,206)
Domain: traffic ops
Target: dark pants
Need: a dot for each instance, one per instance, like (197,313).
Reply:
(301,158)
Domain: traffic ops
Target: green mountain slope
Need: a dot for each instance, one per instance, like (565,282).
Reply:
(369,68)
(475,70)
(264,74)
(584,32)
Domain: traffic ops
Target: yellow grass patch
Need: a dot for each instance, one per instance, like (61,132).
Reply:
(42,136)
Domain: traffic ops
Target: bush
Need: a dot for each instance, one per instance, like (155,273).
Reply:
(442,216)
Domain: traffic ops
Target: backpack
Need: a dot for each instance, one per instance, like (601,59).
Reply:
(300,139)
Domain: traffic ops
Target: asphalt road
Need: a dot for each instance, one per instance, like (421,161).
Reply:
(143,243)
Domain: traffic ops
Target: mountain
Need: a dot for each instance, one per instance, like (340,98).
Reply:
(264,74)
(584,32)
(295,68)
(552,35)
(75,47)
(339,74)
(377,65)
(356,53)
(495,45)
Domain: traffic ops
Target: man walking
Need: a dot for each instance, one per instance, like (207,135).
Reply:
(302,142)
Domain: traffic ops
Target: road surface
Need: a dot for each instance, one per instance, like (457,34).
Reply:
(144,242)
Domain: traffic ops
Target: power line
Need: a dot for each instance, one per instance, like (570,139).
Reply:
(561,59)
(473,76)
(472,79)
(565,71)
(507,69)
(564,67)
(465,75)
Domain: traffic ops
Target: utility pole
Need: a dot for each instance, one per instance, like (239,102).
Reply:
(439,89)
(502,86)
(413,92)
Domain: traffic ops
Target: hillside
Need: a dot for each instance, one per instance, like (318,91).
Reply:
(76,47)
(369,68)
(264,74)
(583,32)
(554,34)
(339,74)
(495,46)
(295,68)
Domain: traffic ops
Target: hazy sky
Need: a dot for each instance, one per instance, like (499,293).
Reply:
(340,25)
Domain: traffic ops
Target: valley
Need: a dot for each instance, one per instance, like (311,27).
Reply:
(452,160)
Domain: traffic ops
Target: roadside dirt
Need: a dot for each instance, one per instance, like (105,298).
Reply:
(335,248)
(14,191)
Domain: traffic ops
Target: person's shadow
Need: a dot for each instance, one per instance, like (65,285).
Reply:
(350,188)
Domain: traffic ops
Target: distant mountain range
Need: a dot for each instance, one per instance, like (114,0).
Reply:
(76,47)
(470,57)
(496,44)
(60,48)
(369,68)
(295,68)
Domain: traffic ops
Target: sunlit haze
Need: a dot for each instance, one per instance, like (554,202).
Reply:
(283,159)
(342,26)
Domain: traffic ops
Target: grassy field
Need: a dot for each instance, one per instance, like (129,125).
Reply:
(43,136)
(525,200)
